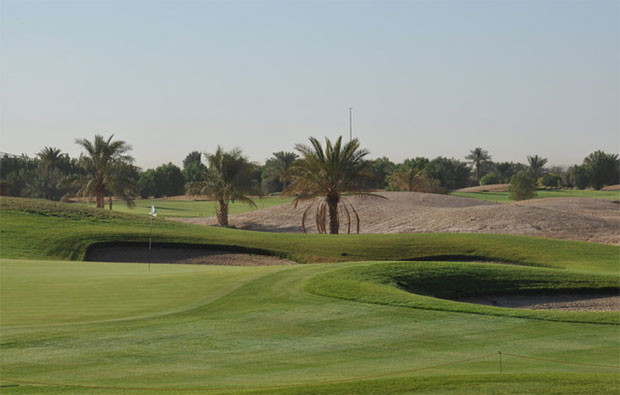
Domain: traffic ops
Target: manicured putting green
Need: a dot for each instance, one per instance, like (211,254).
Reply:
(259,327)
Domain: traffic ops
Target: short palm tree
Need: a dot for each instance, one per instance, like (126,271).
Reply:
(50,158)
(478,157)
(227,179)
(537,164)
(278,167)
(328,173)
(105,170)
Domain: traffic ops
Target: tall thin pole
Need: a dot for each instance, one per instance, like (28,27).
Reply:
(150,235)
(350,123)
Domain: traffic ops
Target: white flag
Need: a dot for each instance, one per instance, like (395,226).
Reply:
(153,212)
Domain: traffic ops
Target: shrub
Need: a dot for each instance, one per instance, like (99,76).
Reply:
(489,179)
(522,186)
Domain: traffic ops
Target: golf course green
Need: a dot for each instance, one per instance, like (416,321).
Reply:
(356,314)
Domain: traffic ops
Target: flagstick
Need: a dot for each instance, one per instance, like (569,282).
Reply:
(150,235)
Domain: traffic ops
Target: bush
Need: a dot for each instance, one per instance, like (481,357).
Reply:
(522,186)
(551,180)
(489,179)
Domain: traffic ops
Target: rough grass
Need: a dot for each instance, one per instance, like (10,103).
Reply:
(504,197)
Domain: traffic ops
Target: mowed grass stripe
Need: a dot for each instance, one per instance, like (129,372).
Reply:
(269,331)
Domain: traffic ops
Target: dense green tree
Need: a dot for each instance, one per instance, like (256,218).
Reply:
(551,180)
(228,178)
(380,170)
(193,168)
(146,184)
(327,173)
(505,170)
(603,169)
(105,170)
(579,177)
(522,186)
(192,157)
(168,180)
(478,158)
(451,173)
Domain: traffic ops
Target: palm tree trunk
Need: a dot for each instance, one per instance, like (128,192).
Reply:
(110,202)
(222,213)
(332,204)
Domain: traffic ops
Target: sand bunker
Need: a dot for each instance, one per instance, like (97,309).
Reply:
(195,256)
(568,302)
(583,219)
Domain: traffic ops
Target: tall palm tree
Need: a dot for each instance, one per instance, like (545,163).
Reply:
(537,163)
(227,180)
(105,170)
(328,173)
(478,157)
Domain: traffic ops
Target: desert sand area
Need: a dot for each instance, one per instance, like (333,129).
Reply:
(582,219)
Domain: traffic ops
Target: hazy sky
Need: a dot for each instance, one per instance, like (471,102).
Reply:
(425,78)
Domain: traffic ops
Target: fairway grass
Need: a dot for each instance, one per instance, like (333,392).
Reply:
(504,197)
(368,322)
(192,208)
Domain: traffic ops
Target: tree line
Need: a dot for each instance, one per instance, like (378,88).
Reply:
(105,168)
(317,173)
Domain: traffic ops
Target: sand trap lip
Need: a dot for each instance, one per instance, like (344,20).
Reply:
(180,255)
(566,302)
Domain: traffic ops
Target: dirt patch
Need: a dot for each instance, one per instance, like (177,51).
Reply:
(568,302)
(194,256)
(583,219)
(612,188)
(486,188)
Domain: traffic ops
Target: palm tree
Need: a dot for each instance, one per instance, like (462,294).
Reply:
(478,157)
(404,176)
(277,169)
(227,180)
(50,158)
(328,173)
(537,163)
(105,168)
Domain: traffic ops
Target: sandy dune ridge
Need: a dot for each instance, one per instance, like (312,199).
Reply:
(575,218)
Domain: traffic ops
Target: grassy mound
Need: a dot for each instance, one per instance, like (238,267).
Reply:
(428,285)
(37,229)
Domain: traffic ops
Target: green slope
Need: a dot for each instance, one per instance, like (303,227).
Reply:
(351,327)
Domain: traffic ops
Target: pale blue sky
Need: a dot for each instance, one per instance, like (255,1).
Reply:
(425,78)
